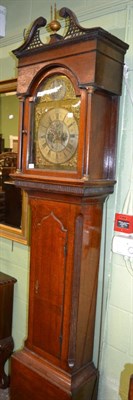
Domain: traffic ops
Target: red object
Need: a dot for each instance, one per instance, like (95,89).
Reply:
(130,394)
(123,223)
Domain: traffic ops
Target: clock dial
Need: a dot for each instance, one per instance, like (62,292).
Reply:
(56,125)
(58,135)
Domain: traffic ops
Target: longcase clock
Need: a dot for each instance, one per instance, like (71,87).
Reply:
(69,94)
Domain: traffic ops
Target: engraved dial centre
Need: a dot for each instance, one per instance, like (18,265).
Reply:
(57,136)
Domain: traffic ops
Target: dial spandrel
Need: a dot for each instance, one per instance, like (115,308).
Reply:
(56,125)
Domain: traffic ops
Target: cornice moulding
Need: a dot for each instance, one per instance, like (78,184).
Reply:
(9,40)
(82,14)
(102,9)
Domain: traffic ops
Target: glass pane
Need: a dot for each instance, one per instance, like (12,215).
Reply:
(56,125)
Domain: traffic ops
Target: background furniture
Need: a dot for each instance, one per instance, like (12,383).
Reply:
(2,207)
(6,307)
(10,195)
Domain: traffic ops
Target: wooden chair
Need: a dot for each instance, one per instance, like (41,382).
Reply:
(8,165)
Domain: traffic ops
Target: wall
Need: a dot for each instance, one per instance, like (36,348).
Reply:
(116,362)
(115,295)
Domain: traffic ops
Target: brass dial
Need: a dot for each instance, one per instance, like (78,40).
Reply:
(58,135)
(57,88)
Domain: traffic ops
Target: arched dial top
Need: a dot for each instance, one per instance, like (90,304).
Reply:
(56,124)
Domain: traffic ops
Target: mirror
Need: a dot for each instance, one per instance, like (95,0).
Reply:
(13,225)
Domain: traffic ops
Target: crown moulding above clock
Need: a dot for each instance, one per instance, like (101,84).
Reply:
(75,32)
(93,10)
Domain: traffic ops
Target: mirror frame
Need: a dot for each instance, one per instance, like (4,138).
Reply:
(6,231)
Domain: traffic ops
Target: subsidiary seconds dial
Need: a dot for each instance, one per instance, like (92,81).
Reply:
(58,135)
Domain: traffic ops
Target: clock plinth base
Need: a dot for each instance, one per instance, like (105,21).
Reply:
(33,378)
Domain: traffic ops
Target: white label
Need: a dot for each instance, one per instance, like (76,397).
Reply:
(123,245)
(31,166)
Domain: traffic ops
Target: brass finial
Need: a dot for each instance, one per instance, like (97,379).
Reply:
(54,24)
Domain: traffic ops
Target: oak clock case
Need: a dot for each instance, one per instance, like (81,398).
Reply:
(67,151)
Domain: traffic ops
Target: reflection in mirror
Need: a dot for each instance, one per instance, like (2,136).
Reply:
(13,201)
